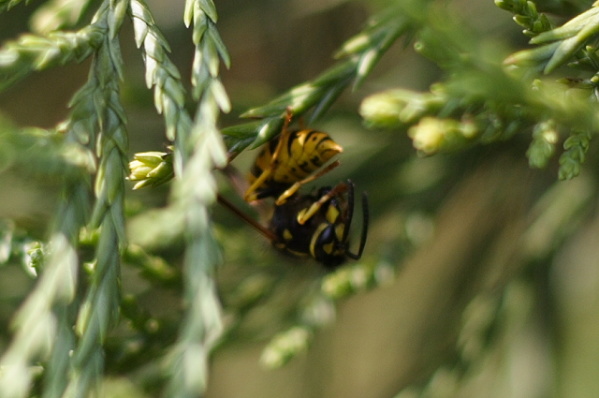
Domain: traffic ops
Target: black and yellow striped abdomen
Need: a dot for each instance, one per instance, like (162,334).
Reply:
(288,159)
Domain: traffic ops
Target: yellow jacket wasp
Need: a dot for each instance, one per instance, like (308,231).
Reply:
(315,225)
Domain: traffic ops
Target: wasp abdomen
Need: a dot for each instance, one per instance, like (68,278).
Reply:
(289,159)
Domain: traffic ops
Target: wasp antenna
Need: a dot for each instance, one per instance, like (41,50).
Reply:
(350,209)
(288,116)
(238,181)
(365,220)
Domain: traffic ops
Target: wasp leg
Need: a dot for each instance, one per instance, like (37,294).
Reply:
(297,185)
(289,113)
(306,214)
(237,180)
(365,219)
(250,194)
(259,227)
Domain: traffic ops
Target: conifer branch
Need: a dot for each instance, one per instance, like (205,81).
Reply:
(32,53)
(52,305)
(161,74)
(99,309)
(359,56)
(199,150)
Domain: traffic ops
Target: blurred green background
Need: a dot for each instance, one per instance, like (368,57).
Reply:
(486,271)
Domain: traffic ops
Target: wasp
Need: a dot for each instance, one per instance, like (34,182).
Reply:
(315,225)
(289,161)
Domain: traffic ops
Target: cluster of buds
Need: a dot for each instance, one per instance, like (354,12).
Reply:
(150,169)
(432,134)
(404,108)
(398,108)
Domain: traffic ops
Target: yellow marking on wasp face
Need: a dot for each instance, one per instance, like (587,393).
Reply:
(315,237)
(332,214)
(339,230)
(287,235)
(328,248)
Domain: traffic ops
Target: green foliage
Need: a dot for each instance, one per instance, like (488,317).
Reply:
(80,321)
(34,53)
(200,149)
(161,73)
(74,357)
(8,4)
(526,15)
(486,99)
(542,147)
(42,151)
(358,56)
(576,147)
